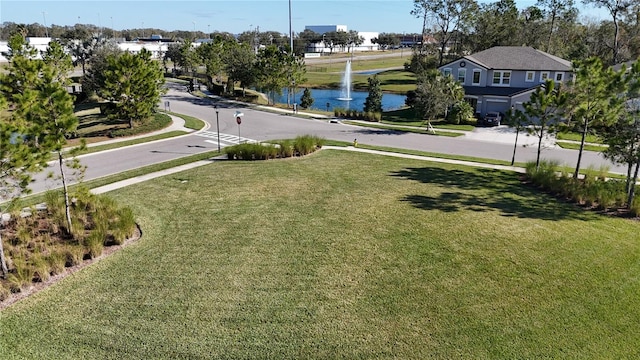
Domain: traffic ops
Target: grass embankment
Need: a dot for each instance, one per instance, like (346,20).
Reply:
(304,259)
(329,75)
(570,139)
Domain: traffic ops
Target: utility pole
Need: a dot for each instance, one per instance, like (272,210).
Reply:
(46,31)
(290,29)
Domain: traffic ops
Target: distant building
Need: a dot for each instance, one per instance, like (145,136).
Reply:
(39,43)
(321,29)
(367,43)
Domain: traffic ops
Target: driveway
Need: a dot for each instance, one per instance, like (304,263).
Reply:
(506,135)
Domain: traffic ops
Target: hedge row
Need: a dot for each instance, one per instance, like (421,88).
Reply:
(357,115)
(300,146)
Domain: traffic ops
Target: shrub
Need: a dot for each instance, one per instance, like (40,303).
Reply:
(304,145)
(285,149)
(41,267)
(108,108)
(94,243)
(125,225)
(4,293)
(546,174)
(22,275)
(635,206)
(73,255)
(56,260)
(301,145)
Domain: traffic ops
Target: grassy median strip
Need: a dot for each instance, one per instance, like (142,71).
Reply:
(403,129)
(190,122)
(576,146)
(345,255)
(424,153)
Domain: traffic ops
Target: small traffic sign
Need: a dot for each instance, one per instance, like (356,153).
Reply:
(239,120)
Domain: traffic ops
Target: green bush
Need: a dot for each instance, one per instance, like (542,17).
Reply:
(108,108)
(22,275)
(635,206)
(285,149)
(593,190)
(41,267)
(73,255)
(125,226)
(94,243)
(302,145)
(56,260)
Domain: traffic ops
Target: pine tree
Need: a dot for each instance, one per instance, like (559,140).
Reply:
(594,98)
(133,82)
(373,102)
(306,100)
(543,111)
(41,114)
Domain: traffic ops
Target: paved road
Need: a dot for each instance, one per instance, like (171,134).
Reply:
(263,126)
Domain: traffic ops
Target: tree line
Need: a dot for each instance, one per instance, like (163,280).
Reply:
(461,27)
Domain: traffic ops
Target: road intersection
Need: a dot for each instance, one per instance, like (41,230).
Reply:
(264,126)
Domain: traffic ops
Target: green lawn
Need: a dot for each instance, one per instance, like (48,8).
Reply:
(574,146)
(345,255)
(590,138)
(416,130)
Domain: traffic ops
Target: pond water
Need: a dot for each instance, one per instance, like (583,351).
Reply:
(328,100)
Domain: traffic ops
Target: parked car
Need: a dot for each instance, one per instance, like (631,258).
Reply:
(492,118)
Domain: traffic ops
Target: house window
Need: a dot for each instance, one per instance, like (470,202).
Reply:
(462,75)
(544,76)
(531,76)
(559,76)
(501,77)
(476,77)
(446,72)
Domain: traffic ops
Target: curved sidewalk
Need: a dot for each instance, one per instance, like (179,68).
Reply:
(139,179)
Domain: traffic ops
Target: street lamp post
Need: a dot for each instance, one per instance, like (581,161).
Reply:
(290,31)
(46,31)
(217,126)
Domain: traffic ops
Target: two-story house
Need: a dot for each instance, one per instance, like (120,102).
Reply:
(503,77)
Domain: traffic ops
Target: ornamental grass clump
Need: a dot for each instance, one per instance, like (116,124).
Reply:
(125,225)
(304,145)
(285,149)
(39,243)
(300,146)
(592,190)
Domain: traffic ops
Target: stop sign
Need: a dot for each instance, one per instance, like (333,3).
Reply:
(239,120)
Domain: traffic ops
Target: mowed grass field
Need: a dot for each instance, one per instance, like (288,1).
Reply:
(345,255)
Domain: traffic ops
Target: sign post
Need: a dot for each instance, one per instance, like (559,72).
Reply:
(217,126)
(238,116)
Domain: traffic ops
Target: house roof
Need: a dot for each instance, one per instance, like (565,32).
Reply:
(518,58)
(495,90)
